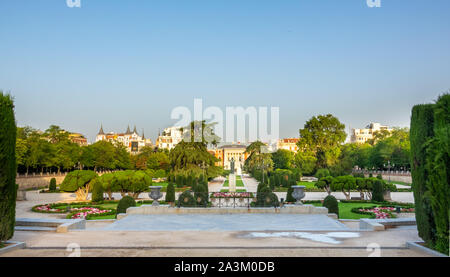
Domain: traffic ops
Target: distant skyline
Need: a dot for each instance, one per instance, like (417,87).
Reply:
(118,63)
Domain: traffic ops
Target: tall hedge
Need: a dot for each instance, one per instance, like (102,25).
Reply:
(430,161)
(8,191)
(438,166)
(422,122)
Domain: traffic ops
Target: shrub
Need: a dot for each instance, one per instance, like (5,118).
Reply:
(321,173)
(377,191)
(97,190)
(289,197)
(77,179)
(125,203)
(332,204)
(170,193)
(266,198)
(201,195)
(52,186)
(8,192)
(186,199)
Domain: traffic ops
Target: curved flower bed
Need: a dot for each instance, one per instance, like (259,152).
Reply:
(381,212)
(232,195)
(88,212)
(49,209)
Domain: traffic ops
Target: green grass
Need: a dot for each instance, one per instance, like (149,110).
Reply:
(345,210)
(239,182)
(104,217)
(399,183)
(308,185)
(226,184)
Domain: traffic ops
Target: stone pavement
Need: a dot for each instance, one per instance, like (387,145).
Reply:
(227,222)
(208,243)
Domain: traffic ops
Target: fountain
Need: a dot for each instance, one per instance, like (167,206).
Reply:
(298,194)
(155,194)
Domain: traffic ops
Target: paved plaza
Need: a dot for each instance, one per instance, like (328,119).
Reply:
(227,222)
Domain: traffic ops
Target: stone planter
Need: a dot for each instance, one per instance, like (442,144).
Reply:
(387,195)
(298,194)
(155,194)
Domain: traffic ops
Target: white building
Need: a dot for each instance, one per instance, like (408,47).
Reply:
(169,138)
(131,140)
(363,135)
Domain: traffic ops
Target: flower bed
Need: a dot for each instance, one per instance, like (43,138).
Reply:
(89,213)
(49,209)
(232,195)
(381,212)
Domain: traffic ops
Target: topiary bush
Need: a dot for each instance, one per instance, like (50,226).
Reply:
(330,202)
(201,195)
(170,193)
(77,179)
(97,190)
(52,186)
(8,192)
(125,203)
(377,191)
(289,197)
(266,198)
(321,173)
(186,199)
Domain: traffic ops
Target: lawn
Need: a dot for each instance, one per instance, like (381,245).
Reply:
(308,185)
(345,210)
(239,182)
(398,183)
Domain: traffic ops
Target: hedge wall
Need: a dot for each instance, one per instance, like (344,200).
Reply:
(8,190)
(430,165)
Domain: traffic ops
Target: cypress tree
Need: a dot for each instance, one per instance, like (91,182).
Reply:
(170,194)
(8,190)
(438,166)
(422,122)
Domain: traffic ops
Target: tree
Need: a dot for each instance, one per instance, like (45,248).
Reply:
(430,161)
(305,162)
(325,184)
(170,194)
(258,158)
(345,184)
(322,136)
(282,159)
(8,167)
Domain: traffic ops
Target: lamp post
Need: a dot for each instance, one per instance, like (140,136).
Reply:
(389,166)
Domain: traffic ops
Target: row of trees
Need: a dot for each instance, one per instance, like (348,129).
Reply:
(321,145)
(53,151)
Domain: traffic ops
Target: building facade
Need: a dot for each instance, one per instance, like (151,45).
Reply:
(169,138)
(361,136)
(226,153)
(130,139)
(78,139)
(289,144)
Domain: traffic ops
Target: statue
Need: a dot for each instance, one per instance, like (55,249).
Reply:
(232,166)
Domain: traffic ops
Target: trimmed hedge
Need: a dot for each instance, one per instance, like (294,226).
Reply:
(430,163)
(186,199)
(52,185)
(125,203)
(377,191)
(170,193)
(8,191)
(97,190)
(332,204)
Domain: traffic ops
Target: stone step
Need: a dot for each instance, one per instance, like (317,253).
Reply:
(35,229)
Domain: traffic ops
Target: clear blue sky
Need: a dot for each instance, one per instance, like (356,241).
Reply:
(130,62)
